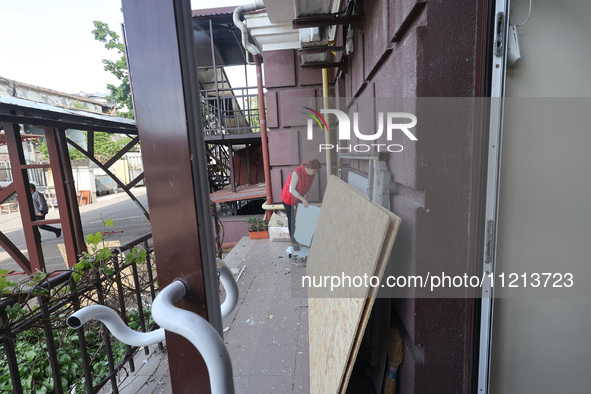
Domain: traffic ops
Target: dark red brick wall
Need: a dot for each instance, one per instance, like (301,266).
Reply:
(408,48)
(286,84)
(414,49)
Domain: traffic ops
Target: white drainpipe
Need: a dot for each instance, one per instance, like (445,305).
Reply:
(258,5)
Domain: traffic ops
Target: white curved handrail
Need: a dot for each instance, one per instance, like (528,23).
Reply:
(230,286)
(115,324)
(199,332)
(185,323)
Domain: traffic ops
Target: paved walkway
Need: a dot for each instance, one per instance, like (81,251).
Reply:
(266,335)
(129,224)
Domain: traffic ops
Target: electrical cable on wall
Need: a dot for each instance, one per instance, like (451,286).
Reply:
(528,15)
(513,50)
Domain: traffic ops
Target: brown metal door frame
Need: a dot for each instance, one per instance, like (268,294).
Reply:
(161,60)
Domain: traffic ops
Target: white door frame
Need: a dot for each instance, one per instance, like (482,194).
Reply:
(501,25)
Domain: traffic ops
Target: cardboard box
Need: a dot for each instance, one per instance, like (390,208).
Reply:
(279,234)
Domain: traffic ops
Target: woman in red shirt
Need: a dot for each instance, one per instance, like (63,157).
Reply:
(295,191)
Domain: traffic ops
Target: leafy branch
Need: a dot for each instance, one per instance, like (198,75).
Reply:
(120,94)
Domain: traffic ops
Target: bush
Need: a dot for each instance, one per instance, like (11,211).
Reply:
(23,326)
(33,358)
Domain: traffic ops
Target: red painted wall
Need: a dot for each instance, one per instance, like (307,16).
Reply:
(413,49)
(286,84)
(407,48)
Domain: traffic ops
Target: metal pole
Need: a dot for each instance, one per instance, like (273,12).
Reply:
(327,131)
(215,73)
(232,169)
(264,141)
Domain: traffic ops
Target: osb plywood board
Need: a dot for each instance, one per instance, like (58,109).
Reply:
(353,239)
(381,267)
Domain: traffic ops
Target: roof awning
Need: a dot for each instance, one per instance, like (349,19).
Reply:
(226,38)
(20,111)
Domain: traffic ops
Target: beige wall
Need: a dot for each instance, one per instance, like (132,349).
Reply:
(121,170)
(543,345)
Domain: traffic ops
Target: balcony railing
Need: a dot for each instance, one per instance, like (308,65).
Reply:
(41,354)
(231,111)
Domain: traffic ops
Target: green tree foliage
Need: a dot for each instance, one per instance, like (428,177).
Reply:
(41,146)
(105,147)
(120,94)
(252,110)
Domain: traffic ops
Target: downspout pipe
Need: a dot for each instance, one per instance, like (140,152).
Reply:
(193,327)
(264,139)
(258,5)
(273,207)
(122,332)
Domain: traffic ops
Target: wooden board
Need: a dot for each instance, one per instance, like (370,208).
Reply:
(353,239)
(380,269)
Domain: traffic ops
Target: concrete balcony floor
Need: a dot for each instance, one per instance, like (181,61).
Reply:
(266,335)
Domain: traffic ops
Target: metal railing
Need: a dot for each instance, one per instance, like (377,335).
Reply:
(191,326)
(230,111)
(123,285)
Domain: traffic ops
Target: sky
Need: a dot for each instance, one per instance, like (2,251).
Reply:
(49,43)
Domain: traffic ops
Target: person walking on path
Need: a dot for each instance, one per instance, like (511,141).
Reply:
(295,191)
(40,208)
